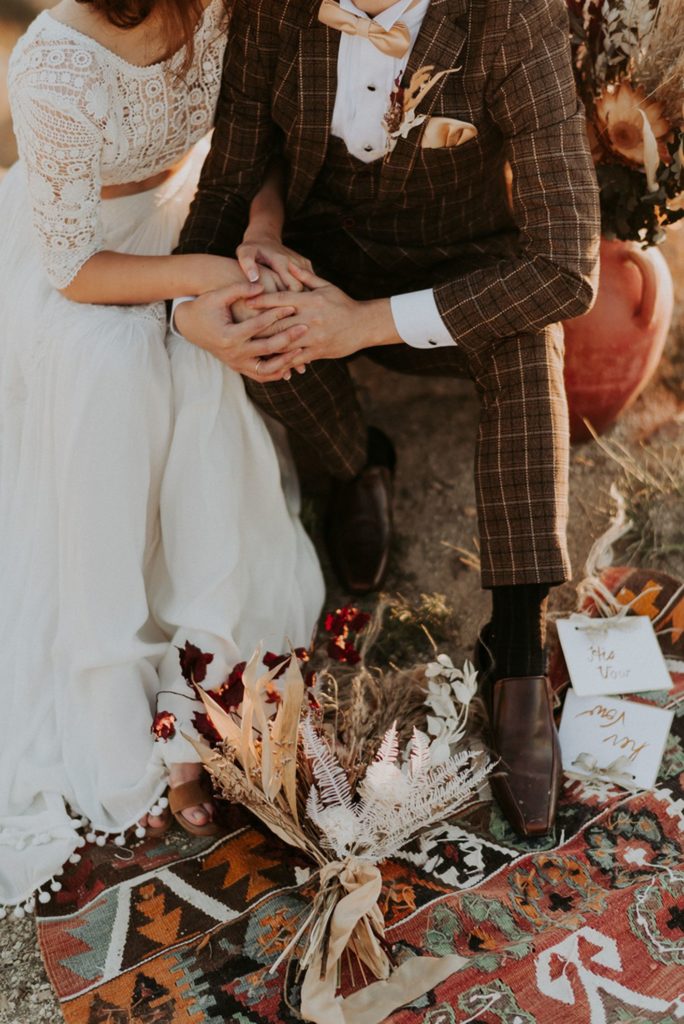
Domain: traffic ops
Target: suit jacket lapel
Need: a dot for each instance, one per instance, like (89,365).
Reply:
(316,87)
(439,43)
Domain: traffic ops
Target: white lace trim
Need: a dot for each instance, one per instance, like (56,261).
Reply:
(85,118)
(85,832)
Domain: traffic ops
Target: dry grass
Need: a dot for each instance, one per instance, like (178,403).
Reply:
(410,632)
(652,483)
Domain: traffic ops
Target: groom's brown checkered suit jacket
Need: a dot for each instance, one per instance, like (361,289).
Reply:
(430,218)
(435,207)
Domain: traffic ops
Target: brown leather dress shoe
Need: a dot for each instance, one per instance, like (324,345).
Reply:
(526,782)
(359,519)
(359,530)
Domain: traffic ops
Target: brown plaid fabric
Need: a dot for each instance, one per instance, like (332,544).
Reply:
(431,218)
(521,458)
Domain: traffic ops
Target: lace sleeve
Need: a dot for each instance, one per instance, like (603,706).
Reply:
(59,106)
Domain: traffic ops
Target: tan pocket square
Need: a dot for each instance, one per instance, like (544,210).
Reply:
(442,132)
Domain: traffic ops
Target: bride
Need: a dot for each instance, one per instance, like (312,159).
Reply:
(141,497)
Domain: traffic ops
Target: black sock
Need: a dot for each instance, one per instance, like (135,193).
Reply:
(517,632)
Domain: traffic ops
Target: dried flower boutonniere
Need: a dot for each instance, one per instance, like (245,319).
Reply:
(401,116)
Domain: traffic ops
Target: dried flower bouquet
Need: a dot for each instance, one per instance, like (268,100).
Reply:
(283,762)
(629,67)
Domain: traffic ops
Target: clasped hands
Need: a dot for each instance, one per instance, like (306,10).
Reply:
(277,316)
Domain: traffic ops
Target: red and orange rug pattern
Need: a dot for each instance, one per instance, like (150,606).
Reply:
(587,927)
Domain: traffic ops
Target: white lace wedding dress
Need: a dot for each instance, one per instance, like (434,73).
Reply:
(141,501)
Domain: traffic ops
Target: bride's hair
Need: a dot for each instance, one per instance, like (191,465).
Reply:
(179,17)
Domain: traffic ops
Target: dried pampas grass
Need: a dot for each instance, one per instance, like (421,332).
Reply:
(364,705)
(659,64)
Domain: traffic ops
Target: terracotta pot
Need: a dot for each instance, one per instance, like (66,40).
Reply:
(612,351)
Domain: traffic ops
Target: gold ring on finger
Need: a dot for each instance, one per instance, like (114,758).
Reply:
(258,364)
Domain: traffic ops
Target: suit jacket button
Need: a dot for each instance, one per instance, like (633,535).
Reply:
(348,222)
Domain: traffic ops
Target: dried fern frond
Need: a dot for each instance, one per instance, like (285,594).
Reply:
(331,780)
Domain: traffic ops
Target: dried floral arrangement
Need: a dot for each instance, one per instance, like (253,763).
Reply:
(629,66)
(304,763)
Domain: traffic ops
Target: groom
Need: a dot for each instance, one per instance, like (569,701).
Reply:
(438,177)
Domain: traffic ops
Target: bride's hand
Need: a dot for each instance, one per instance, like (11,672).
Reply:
(209,323)
(270,282)
(261,251)
(211,272)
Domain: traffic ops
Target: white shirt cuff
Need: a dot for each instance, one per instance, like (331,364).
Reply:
(418,321)
(174,306)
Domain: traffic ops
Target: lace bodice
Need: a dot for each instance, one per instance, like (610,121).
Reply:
(85,118)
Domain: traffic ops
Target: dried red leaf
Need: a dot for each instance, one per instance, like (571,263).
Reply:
(343,650)
(231,693)
(340,622)
(351,655)
(272,695)
(164,725)
(204,727)
(193,663)
(310,679)
(272,661)
(335,649)
(359,621)
(237,674)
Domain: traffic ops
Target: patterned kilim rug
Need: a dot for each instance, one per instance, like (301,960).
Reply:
(588,928)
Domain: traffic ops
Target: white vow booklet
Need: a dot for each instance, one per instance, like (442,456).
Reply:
(617,741)
(614,655)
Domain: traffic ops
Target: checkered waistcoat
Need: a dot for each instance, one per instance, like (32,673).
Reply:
(511,78)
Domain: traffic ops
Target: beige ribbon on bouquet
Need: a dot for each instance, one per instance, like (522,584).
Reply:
(351,918)
(394,42)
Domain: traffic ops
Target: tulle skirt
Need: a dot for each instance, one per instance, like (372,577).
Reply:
(141,505)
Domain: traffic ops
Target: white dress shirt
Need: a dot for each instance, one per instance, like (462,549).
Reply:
(365,79)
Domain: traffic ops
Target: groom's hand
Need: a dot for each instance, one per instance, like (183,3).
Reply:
(208,323)
(336,325)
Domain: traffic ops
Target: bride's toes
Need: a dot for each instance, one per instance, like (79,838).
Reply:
(198,815)
(156,820)
(155,824)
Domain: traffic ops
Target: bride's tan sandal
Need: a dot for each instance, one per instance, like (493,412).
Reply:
(187,795)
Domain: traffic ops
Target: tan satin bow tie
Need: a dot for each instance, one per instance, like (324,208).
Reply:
(394,41)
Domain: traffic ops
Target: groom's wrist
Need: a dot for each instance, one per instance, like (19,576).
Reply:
(378,326)
(260,233)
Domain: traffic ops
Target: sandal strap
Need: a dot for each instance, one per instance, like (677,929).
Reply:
(189,794)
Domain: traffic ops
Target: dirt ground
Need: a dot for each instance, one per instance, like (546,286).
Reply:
(433,424)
